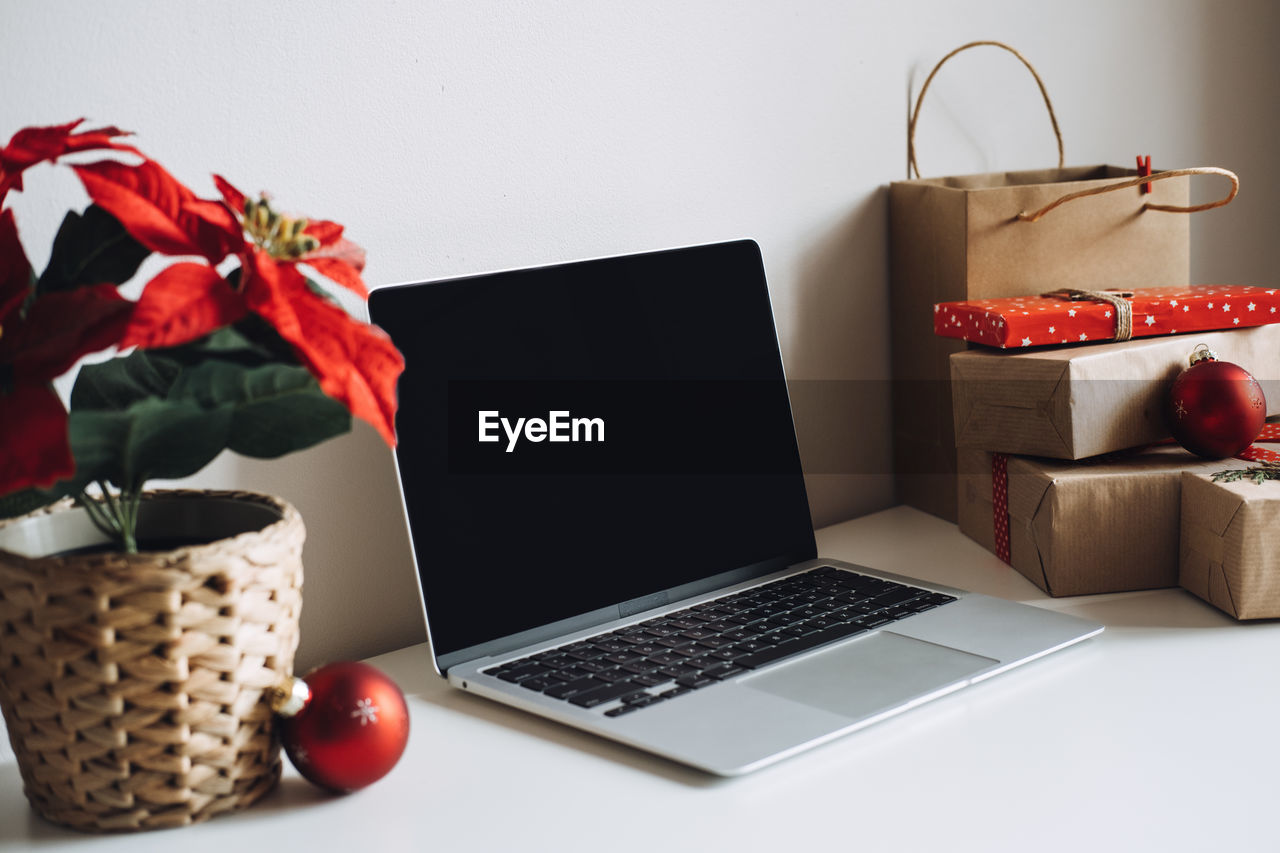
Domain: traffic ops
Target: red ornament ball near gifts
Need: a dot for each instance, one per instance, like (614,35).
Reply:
(1216,408)
(343,725)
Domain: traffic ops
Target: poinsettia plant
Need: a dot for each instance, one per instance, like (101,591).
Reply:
(232,345)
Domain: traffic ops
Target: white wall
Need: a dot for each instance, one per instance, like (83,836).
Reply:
(455,137)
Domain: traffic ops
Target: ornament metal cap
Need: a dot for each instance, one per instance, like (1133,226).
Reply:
(290,696)
(1202,353)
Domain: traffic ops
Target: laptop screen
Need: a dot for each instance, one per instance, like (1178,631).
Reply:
(590,436)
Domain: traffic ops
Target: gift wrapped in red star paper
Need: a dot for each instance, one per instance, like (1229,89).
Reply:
(1078,316)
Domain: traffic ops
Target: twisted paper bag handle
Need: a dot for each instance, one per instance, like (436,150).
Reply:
(915,114)
(1057,133)
(1146,179)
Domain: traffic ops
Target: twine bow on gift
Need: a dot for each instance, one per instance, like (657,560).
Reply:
(1117,299)
(1000,482)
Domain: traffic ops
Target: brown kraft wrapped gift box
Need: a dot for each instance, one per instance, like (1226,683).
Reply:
(1076,402)
(1230,554)
(1077,528)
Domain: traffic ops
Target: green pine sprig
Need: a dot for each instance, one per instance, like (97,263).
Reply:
(1259,475)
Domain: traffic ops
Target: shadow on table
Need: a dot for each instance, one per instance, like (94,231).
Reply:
(1171,607)
(21,827)
(408,668)
(1161,609)
(563,735)
(292,793)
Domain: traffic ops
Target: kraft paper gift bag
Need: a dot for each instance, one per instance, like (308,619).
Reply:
(1010,234)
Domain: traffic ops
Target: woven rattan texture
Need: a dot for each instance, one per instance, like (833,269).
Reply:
(133,686)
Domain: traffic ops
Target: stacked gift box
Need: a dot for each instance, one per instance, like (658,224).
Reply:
(1066,467)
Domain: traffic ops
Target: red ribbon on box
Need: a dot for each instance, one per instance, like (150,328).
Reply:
(1000,503)
(1000,484)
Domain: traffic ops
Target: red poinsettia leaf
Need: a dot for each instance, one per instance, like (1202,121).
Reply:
(62,327)
(145,198)
(98,138)
(33,433)
(266,295)
(344,250)
(215,215)
(15,270)
(152,206)
(216,230)
(355,363)
(232,196)
(340,272)
(183,302)
(326,232)
(33,145)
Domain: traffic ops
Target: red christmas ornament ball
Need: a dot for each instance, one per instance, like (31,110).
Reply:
(343,725)
(1216,408)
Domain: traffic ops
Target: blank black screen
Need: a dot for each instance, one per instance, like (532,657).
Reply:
(698,473)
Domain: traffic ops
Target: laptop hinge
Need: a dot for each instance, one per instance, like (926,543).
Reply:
(643,603)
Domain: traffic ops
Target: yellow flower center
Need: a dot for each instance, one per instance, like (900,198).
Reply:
(282,237)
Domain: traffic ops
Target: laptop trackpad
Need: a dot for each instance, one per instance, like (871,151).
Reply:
(867,675)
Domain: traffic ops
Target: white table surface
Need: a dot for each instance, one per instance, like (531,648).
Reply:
(1161,734)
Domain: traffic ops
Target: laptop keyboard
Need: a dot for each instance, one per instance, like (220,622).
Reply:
(677,653)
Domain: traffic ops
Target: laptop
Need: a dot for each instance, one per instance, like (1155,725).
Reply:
(608,517)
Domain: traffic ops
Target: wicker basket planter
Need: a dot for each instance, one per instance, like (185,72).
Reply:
(133,685)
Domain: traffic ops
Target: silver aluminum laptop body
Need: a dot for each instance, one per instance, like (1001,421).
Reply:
(755,719)
(758,716)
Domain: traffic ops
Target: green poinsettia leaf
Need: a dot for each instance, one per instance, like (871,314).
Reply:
(150,438)
(144,416)
(264,335)
(120,382)
(318,289)
(91,248)
(28,500)
(227,343)
(274,408)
